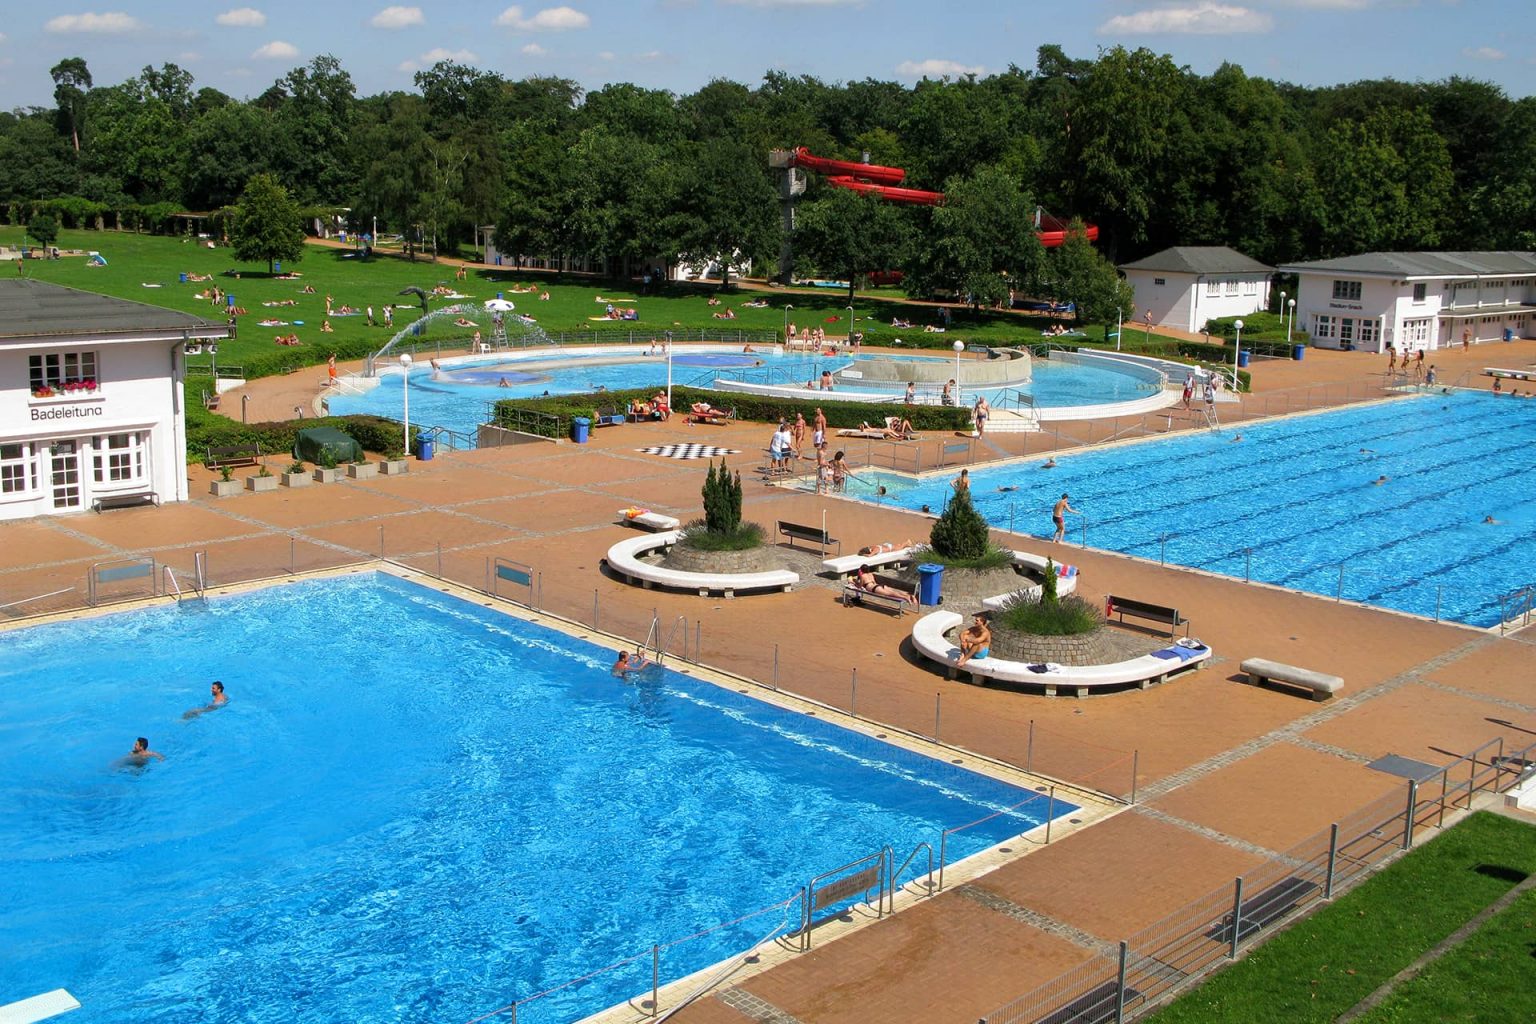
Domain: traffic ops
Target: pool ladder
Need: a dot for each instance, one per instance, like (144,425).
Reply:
(658,647)
(199,578)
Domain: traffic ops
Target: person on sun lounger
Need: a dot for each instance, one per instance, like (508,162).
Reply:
(885,548)
(898,429)
(865,580)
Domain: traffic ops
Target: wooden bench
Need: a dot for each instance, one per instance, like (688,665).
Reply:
(234,455)
(810,534)
(138,499)
(853,595)
(1096,1006)
(1124,606)
(1262,910)
(1322,685)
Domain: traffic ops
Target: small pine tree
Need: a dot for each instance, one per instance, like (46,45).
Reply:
(722,500)
(737,492)
(1048,587)
(960,533)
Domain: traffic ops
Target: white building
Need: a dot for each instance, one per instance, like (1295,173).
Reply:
(90,399)
(1416,300)
(1187,285)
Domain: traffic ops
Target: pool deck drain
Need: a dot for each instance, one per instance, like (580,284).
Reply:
(1225,771)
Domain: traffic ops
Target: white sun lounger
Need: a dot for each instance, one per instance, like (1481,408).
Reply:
(624,559)
(649,520)
(847,565)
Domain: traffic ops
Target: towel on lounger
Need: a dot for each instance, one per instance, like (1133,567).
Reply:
(1181,653)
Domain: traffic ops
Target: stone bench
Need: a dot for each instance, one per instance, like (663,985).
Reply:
(1066,581)
(1322,685)
(624,559)
(846,565)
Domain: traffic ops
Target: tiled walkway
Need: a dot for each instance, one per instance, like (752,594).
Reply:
(1228,774)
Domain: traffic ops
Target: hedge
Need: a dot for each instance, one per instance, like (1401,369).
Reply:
(374,433)
(757,408)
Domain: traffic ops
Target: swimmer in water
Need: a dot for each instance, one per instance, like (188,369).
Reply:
(1490,521)
(628,663)
(217,698)
(1380,480)
(1008,488)
(1367,451)
(1048,464)
(140,754)
(925,508)
(1238,438)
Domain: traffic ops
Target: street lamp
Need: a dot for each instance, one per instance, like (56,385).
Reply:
(1290,322)
(1237,354)
(850,328)
(669,372)
(405,390)
(784,333)
(959,347)
(1282,305)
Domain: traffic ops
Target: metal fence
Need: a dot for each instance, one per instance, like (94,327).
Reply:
(1160,960)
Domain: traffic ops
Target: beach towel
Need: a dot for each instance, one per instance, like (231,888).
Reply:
(1176,653)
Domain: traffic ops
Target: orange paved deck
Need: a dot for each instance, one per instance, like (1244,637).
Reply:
(1227,772)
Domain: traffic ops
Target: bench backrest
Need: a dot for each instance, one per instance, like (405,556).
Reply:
(1143,608)
(806,532)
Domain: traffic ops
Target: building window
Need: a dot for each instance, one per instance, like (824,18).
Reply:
(1159,281)
(1232,286)
(1347,290)
(1213,289)
(1419,291)
(18,469)
(119,458)
(1415,334)
(1323,328)
(1250,287)
(1490,319)
(54,373)
(1367,332)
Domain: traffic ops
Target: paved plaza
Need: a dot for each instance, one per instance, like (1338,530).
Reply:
(1227,776)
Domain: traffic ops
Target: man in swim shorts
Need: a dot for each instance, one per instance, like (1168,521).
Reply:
(1059,517)
(975,642)
(819,432)
(628,663)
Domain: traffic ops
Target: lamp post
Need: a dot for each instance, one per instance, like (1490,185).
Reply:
(784,332)
(959,347)
(405,390)
(850,328)
(1282,305)
(1237,354)
(669,372)
(1290,322)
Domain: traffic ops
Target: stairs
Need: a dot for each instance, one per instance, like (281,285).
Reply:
(1013,421)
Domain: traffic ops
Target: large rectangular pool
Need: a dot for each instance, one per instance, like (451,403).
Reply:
(1420,504)
(412,808)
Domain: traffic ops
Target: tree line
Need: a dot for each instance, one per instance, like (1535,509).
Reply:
(1151,152)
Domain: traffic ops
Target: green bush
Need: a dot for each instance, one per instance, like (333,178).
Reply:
(374,433)
(993,558)
(722,500)
(960,534)
(744,537)
(1067,616)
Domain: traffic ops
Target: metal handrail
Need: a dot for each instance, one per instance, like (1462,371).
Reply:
(39,597)
(175,587)
(928,886)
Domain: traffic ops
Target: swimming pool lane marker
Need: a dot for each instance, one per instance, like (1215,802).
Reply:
(49,1004)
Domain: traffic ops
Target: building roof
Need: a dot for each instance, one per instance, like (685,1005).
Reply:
(1200,259)
(1423,264)
(34,309)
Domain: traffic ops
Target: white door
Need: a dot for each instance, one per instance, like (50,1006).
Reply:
(64,464)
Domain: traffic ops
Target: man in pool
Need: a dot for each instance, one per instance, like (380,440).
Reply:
(217,698)
(1059,517)
(975,642)
(629,663)
(140,754)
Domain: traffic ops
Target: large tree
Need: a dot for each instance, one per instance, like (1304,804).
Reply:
(267,224)
(982,242)
(71,82)
(847,234)
(727,208)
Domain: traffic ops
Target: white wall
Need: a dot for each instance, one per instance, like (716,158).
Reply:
(1182,303)
(1410,325)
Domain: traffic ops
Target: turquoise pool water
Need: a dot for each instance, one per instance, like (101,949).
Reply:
(411,809)
(458,399)
(1301,494)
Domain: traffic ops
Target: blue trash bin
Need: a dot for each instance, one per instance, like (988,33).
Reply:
(424,448)
(277,267)
(1509,334)
(1242,358)
(229,301)
(1298,352)
(930,583)
(581,428)
(183,278)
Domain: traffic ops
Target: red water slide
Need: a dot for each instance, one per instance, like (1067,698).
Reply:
(875,180)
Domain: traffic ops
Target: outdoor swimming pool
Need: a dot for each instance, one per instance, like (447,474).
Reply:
(457,399)
(1295,503)
(413,808)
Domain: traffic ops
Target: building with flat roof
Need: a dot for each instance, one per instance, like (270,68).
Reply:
(1187,285)
(91,399)
(1416,300)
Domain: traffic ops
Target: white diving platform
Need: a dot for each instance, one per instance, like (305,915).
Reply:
(49,1004)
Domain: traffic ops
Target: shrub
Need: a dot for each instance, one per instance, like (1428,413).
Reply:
(758,408)
(1048,593)
(722,500)
(744,537)
(993,558)
(960,534)
(1067,616)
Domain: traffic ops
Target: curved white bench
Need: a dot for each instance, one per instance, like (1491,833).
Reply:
(928,638)
(847,565)
(1035,563)
(624,559)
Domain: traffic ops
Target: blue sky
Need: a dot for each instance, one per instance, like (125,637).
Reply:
(682,44)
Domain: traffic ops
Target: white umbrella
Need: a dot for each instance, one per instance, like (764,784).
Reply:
(499,306)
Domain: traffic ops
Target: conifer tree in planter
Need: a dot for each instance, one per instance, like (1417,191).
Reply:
(722,529)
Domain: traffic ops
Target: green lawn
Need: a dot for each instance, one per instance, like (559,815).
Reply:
(1490,977)
(1330,961)
(136,260)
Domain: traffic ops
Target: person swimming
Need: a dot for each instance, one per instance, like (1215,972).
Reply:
(217,698)
(1009,487)
(140,754)
(627,663)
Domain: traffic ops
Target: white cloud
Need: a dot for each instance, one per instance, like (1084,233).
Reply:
(1201,19)
(2,37)
(550,19)
(188,57)
(794,3)
(398,17)
(1325,5)
(242,17)
(932,68)
(436,54)
(651,55)
(105,24)
(276,50)
(534,50)
(606,55)
(1484,53)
